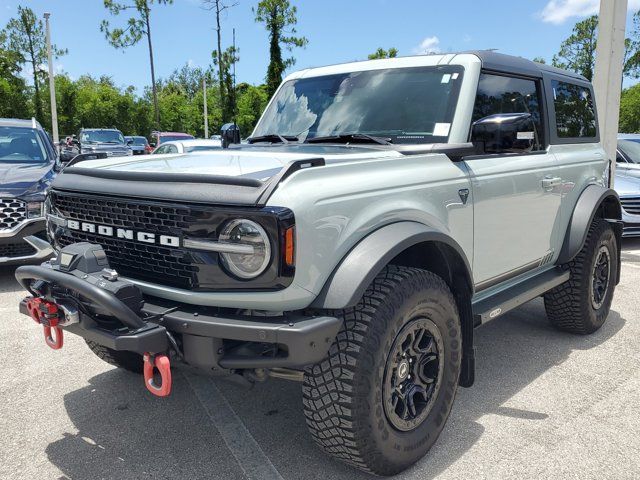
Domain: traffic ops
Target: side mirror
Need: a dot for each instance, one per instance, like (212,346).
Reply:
(505,133)
(230,134)
(129,142)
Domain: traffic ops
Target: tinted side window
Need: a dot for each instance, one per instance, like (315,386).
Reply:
(500,94)
(575,112)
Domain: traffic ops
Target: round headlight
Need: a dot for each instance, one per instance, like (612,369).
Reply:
(252,248)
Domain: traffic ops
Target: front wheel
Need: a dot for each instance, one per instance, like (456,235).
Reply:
(582,304)
(381,398)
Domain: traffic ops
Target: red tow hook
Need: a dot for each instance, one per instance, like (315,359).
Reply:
(162,364)
(46,314)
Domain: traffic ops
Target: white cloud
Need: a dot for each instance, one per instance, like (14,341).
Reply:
(558,11)
(428,46)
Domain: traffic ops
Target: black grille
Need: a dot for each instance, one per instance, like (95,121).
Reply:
(159,264)
(631,205)
(12,250)
(130,258)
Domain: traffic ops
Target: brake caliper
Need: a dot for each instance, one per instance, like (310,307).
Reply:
(47,314)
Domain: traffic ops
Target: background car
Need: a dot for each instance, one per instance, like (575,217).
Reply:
(158,138)
(627,182)
(139,145)
(188,146)
(96,140)
(28,164)
(628,156)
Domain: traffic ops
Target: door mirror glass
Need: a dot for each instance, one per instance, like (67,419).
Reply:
(505,133)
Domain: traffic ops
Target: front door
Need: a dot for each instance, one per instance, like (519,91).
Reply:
(516,197)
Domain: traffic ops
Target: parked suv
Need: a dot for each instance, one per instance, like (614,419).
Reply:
(139,145)
(100,140)
(380,211)
(28,163)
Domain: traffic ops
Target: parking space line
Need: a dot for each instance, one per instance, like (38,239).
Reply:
(250,457)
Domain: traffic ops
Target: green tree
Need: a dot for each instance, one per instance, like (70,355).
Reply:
(229,105)
(630,110)
(540,60)
(219,7)
(26,37)
(279,18)
(137,27)
(578,52)
(14,96)
(252,100)
(382,53)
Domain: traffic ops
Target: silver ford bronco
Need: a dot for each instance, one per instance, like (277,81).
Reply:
(379,213)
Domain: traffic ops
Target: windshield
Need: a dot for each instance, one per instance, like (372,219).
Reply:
(631,148)
(18,144)
(407,105)
(174,138)
(140,141)
(101,136)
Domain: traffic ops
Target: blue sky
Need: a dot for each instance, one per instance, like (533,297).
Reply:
(338,31)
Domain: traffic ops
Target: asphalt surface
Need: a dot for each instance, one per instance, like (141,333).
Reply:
(545,405)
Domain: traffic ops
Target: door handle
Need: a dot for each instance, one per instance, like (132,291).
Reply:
(549,182)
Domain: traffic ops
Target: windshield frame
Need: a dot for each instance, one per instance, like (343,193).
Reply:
(457,72)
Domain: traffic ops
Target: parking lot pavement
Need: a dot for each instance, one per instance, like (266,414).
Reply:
(545,405)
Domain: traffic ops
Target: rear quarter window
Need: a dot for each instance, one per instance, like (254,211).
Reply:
(575,110)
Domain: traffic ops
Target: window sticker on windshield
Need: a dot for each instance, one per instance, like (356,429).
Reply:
(445,78)
(441,129)
(455,76)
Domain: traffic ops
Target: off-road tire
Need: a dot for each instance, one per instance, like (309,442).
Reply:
(569,306)
(343,395)
(122,359)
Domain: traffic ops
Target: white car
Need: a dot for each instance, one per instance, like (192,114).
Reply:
(188,146)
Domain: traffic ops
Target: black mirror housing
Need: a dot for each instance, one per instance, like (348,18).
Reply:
(230,134)
(505,133)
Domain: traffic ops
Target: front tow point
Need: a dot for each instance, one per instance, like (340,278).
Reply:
(162,364)
(47,314)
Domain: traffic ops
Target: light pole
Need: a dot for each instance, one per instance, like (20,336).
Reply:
(607,79)
(204,95)
(52,85)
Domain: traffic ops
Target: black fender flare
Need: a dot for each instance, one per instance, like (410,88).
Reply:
(359,267)
(591,199)
(349,280)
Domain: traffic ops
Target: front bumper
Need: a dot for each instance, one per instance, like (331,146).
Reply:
(24,244)
(206,338)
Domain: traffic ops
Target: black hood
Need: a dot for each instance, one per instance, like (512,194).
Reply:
(20,179)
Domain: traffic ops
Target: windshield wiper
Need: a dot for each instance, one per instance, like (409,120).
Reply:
(273,138)
(350,138)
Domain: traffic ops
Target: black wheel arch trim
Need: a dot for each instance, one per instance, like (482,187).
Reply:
(359,267)
(591,199)
(350,279)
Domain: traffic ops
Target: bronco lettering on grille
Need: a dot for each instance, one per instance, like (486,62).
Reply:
(124,233)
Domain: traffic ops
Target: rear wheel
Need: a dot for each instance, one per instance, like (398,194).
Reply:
(128,360)
(381,398)
(582,304)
